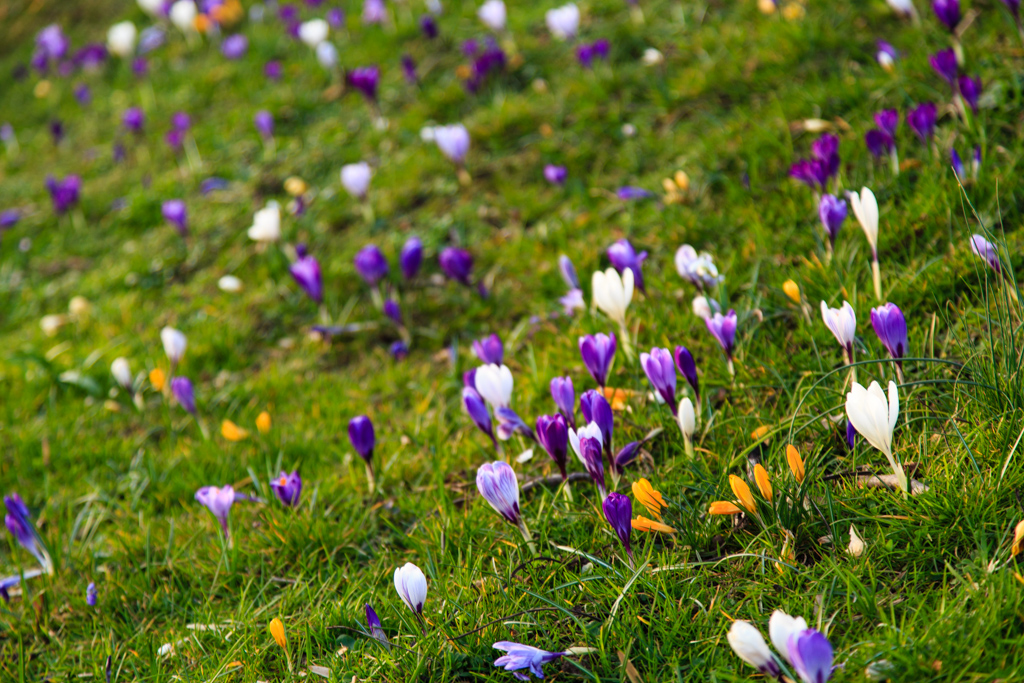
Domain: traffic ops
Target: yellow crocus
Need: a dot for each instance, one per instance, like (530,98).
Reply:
(796,463)
(763,483)
(1018,539)
(723,507)
(263,422)
(649,498)
(232,432)
(277,630)
(641,523)
(792,290)
(760,433)
(742,492)
(157,378)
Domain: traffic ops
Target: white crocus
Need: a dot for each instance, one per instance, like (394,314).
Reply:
(780,627)
(50,324)
(748,644)
(356,178)
(612,293)
(122,373)
(175,343)
(230,284)
(843,324)
(493,14)
(183,15)
(121,39)
(152,7)
(563,22)
(687,423)
(904,7)
(865,208)
(313,32)
(494,383)
(857,545)
(411,585)
(874,418)
(266,224)
(327,55)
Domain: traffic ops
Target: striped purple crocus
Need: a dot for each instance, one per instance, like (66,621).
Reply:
(723,329)
(597,411)
(497,483)
(586,443)
(376,632)
(987,251)
(518,657)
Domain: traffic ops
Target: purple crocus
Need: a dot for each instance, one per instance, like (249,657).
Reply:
(476,408)
(851,435)
(306,273)
(948,12)
(398,349)
(64,193)
(826,150)
(510,423)
(556,175)
(723,329)
(597,411)
(891,328)
(234,46)
(586,53)
(9,218)
(335,17)
(879,143)
(810,653)
(411,257)
(83,95)
(184,394)
(618,510)
(409,69)
(832,212)
(631,193)
(623,256)
(598,351)
(365,79)
(564,395)
(264,122)
(19,524)
(489,350)
(272,70)
(52,43)
(140,67)
(568,272)
(553,435)
(986,250)
(520,657)
(371,264)
(809,172)
(176,214)
(393,311)
(688,368)
(944,63)
(56,131)
(181,121)
(361,434)
(970,89)
(957,163)
(1014,7)
(921,120)
(428,25)
(219,502)
(456,263)
(287,487)
(587,445)
(133,119)
(376,632)
(888,120)
(91,594)
(661,371)
(497,483)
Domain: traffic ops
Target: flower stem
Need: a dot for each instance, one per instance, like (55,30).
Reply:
(371,481)
(876,276)
(527,536)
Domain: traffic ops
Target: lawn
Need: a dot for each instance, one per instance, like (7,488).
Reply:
(686,128)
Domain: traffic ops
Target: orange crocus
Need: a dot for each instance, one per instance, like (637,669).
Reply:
(742,493)
(796,463)
(232,432)
(157,378)
(641,523)
(647,496)
(723,507)
(277,630)
(763,483)
(263,422)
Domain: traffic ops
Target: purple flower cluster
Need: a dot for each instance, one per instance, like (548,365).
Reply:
(490,59)
(822,165)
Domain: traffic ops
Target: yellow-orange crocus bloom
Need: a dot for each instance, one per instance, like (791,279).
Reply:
(157,378)
(649,498)
(763,484)
(1018,539)
(232,432)
(742,493)
(792,290)
(277,630)
(263,422)
(796,463)
(723,507)
(760,433)
(641,523)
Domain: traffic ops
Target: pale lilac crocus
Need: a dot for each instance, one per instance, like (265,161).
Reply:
(810,653)
(842,322)
(453,141)
(234,46)
(563,22)
(411,586)
(987,251)
(355,178)
(660,369)
(264,122)
(519,657)
(723,329)
(218,500)
(598,351)
(497,483)
(374,12)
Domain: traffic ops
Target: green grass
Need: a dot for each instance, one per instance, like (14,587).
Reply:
(113,490)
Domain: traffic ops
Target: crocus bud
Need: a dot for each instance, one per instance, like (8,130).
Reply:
(510,423)
(563,22)
(948,12)
(497,483)
(701,307)
(886,56)
(475,407)
(327,55)
(796,463)
(922,121)
(832,212)
(970,90)
(183,15)
(489,350)
(411,586)
(688,368)
(218,501)
(121,39)
(748,644)
(393,311)
(556,175)
(355,178)
(810,653)
(597,411)
(314,32)
(987,251)
(174,343)
(857,545)
(411,257)
(287,487)
(586,443)
(360,433)
(122,373)
(373,622)
(493,14)
(781,627)
(723,329)
(687,419)
(264,122)
(371,264)
(944,64)
(184,394)
(553,435)
(456,263)
(843,324)
(613,293)
(453,141)
(495,384)
(661,372)
(234,46)
(90,594)
(176,214)
(597,352)
(618,510)
(266,224)
(568,271)
(306,273)
(891,328)
(564,396)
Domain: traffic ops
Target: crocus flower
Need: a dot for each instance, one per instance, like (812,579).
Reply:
(874,418)
(411,586)
(944,63)
(497,483)
(64,193)
(879,143)
(886,55)
(9,218)
(453,141)
(493,14)
(83,95)
(494,383)
(174,343)
(563,22)
(122,374)
(948,12)
(970,89)
(181,120)
(810,172)
(374,12)
(361,434)
(748,644)
(219,502)
(865,208)
(19,524)
(264,122)
(630,192)
(355,178)
(555,175)
(51,42)
(184,394)
(958,165)
(327,55)
(568,272)
(398,349)
(314,32)
(287,487)
(456,263)
(234,46)
(183,15)
(843,324)
(393,311)
(306,273)
(510,423)
(489,350)
(586,443)
(272,70)
(888,120)
(428,24)
(597,410)
(810,653)
(903,7)
(688,368)
(723,329)
(891,328)
(1014,7)
(553,435)
(564,395)
(598,351)
(618,510)
(697,268)
(411,257)
(373,622)
(986,250)
(661,371)
(365,80)
(520,657)
(476,408)
(90,594)
(133,119)
(612,293)
(266,224)
(371,264)
(922,121)
(176,214)
(623,257)
(409,68)
(826,150)
(832,212)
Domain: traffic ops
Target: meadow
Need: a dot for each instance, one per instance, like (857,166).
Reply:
(164,329)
